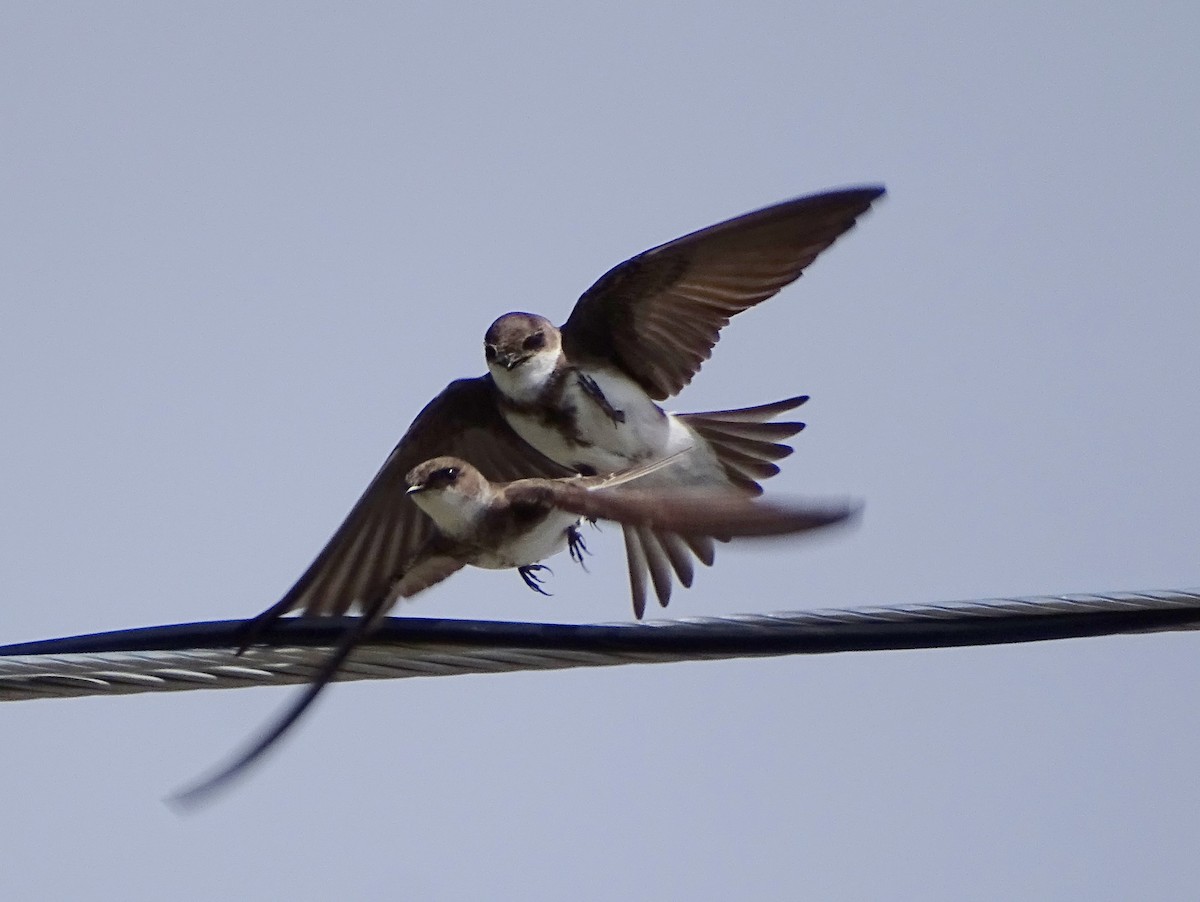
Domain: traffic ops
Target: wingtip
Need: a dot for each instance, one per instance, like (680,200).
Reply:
(189,800)
(860,195)
(848,512)
(198,793)
(870,191)
(779,519)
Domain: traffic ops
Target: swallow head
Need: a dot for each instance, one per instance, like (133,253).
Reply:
(522,350)
(451,491)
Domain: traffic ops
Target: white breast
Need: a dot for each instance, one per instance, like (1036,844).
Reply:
(545,540)
(647,433)
(609,445)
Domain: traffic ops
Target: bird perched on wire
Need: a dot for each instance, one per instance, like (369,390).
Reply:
(581,399)
(517,525)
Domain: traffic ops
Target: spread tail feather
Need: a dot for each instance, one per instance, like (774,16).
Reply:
(747,444)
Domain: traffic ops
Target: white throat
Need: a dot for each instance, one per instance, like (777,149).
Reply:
(457,514)
(525,383)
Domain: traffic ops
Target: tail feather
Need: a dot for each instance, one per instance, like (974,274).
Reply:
(681,558)
(769,432)
(745,465)
(702,547)
(659,563)
(759,414)
(746,443)
(638,570)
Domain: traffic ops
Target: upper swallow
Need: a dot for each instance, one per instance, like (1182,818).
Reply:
(584,394)
(518,524)
(557,401)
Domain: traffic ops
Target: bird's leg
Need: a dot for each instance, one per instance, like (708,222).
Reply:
(593,390)
(576,547)
(529,573)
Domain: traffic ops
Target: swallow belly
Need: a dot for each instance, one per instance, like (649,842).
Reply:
(528,546)
(602,423)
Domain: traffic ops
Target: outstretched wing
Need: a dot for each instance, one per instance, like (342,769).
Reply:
(384,531)
(697,512)
(658,315)
(430,565)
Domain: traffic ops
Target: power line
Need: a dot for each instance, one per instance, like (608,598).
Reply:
(201,655)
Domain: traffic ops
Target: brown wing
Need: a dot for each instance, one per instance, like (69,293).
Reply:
(430,565)
(693,512)
(424,572)
(658,315)
(384,531)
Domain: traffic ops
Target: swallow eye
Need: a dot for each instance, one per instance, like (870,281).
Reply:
(534,342)
(489,352)
(444,476)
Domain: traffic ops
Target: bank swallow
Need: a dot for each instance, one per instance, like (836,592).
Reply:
(517,525)
(584,394)
(582,399)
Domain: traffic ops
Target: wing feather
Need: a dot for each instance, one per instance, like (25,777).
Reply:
(658,315)
(719,514)
(384,531)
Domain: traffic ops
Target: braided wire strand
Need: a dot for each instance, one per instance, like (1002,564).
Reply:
(202,655)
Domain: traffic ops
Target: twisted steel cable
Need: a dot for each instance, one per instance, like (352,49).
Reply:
(201,655)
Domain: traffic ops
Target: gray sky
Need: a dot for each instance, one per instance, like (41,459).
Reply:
(231,236)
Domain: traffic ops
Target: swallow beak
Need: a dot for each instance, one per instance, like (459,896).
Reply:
(508,361)
(415,489)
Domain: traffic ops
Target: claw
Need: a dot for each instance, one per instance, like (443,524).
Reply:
(576,547)
(529,573)
(592,388)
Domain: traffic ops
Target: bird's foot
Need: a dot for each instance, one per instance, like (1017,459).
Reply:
(589,385)
(576,547)
(529,573)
